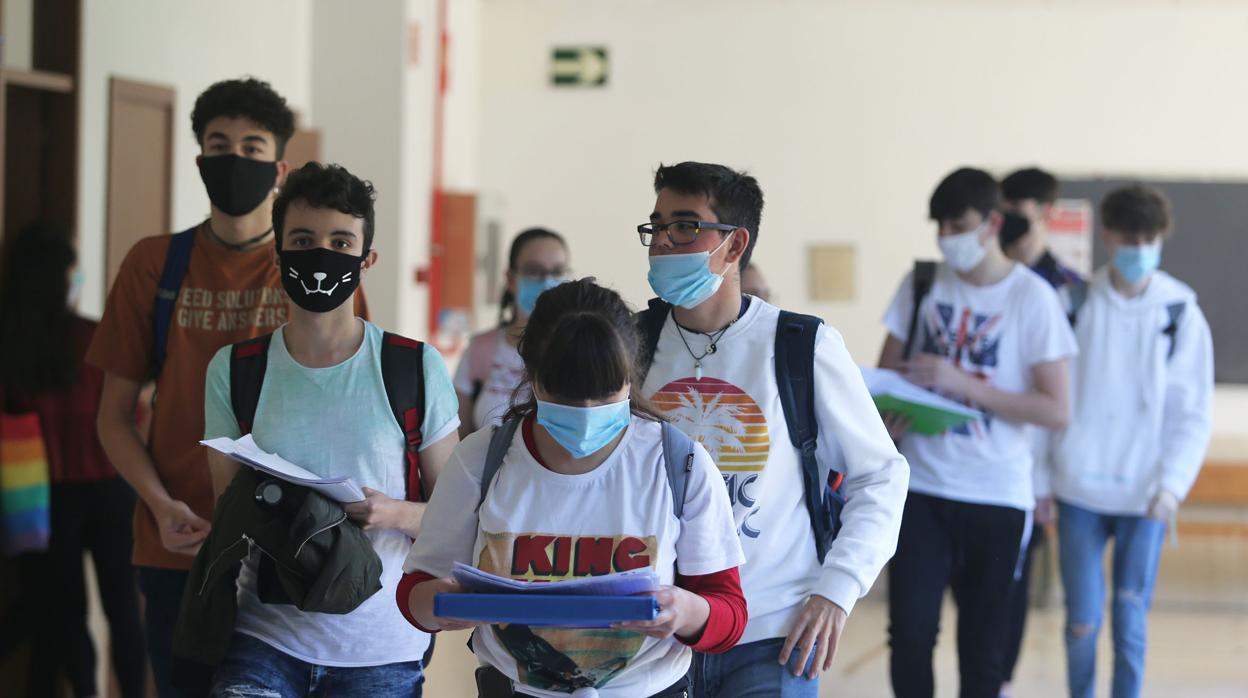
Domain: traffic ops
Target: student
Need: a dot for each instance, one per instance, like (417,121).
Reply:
(1143,386)
(491,369)
(753,283)
(167,325)
(1029,193)
(711,374)
(42,371)
(989,333)
(323,405)
(584,465)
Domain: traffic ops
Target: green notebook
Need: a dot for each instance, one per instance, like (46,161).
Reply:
(929,412)
(924,419)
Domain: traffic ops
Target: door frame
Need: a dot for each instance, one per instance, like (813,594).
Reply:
(126,90)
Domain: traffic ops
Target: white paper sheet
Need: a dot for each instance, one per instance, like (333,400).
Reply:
(884,381)
(245,451)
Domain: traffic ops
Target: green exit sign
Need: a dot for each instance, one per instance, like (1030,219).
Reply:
(579,66)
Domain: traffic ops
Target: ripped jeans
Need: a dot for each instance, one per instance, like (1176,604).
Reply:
(1082,536)
(255,669)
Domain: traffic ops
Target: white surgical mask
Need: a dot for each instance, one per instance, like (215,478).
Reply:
(963,251)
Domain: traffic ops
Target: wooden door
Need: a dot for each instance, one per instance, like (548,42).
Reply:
(140,166)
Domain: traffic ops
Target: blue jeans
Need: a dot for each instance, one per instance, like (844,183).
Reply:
(752,671)
(162,597)
(254,668)
(1137,548)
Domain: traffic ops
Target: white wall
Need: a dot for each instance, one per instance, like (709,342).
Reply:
(187,46)
(849,112)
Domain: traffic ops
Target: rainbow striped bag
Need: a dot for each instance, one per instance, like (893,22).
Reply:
(25,524)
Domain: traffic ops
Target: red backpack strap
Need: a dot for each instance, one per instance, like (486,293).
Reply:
(248,361)
(403,372)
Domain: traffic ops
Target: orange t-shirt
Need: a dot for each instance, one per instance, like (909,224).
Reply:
(226,297)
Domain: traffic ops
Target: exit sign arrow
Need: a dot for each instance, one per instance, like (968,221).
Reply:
(579,66)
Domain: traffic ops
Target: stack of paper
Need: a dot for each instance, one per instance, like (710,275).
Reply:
(592,602)
(929,412)
(245,451)
(639,581)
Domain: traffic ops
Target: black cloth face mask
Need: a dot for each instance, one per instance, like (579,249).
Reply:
(237,185)
(319,280)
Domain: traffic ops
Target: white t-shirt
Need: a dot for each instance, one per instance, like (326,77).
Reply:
(735,412)
(618,516)
(335,421)
(506,372)
(996,333)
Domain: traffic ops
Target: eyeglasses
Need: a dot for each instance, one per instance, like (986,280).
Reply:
(679,232)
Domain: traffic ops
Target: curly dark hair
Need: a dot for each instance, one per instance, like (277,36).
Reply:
(735,196)
(326,186)
(248,98)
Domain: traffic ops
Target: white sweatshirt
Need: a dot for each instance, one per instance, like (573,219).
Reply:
(1141,401)
(734,410)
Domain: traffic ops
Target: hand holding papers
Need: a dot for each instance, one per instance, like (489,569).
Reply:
(929,413)
(245,451)
(591,602)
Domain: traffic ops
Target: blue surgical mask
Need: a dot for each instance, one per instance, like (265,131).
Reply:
(686,279)
(1136,262)
(77,280)
(583,430)
(528,288)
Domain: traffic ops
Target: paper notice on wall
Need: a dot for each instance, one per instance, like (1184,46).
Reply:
(1070,234)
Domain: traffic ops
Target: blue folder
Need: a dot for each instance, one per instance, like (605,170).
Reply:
(546,609)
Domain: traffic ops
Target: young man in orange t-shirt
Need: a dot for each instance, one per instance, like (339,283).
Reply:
(230,292)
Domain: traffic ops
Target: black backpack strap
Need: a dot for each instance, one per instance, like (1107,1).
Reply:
(500,440)
(678,460)
(1175,311)
(795,381)
(403,372)
(248,361)
(177,261)
(923,277)
(650,323)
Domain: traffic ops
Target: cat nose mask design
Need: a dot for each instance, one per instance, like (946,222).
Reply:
(319,280)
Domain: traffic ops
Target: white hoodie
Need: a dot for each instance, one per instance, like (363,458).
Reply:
(1141,412)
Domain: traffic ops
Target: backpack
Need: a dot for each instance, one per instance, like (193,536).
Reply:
(177,261)
(402,371)
(1174,311)
(795,382)
(677,459)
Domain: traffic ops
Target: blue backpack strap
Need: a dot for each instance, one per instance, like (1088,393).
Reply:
(248,362)
(922,279)
(500,440)
(177,260)
(403,373)
(795,381)
(678,460)
(650,322)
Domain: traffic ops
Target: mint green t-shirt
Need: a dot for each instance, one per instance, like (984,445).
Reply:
(335,421)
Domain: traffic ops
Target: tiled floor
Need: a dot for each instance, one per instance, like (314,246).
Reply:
(1198,645)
